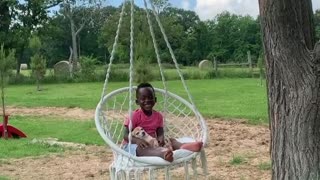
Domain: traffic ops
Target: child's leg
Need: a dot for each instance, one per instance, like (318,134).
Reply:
(192,146)
(164,153)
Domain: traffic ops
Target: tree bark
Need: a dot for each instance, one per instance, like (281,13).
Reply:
(293,88)
(74,47)
(5,129)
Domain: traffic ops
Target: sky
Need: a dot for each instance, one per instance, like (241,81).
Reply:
(208,9)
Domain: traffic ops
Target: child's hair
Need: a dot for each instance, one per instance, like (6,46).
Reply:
(143,85)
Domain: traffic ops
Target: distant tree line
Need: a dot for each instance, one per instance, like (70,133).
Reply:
(227,37)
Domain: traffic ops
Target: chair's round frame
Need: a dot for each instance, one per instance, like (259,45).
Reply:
(144,160)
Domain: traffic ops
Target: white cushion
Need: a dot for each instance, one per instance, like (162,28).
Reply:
(123,162)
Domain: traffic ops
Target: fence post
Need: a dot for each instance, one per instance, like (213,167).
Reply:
(260,66)
(215,64)
(250,63)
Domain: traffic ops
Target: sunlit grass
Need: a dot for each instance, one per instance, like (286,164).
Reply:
(76,131)
(229,98)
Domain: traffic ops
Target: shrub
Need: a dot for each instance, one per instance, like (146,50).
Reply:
(16,79)
(166,66)
(119,76)
(38,63)
(143,72)
(38,66)
(88,67)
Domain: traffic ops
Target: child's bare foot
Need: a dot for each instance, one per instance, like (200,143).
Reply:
(167,155)
(194,146)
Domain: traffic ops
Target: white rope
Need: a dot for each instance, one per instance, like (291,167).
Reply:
(172,55)
(113,50)
(133,161)
(155,45)
(131,72)
(197,114)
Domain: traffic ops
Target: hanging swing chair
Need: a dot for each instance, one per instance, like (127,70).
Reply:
(182,120)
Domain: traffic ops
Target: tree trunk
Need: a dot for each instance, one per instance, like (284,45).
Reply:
(5,129)
(38,81)
(74,47)
(293,88)
(250,63)
(19,59)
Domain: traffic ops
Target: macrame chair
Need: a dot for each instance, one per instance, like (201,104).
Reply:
(182,119)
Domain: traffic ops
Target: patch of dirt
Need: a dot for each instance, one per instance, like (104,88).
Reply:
(61,112)
(229,140)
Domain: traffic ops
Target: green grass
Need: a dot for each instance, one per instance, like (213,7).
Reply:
(3,178)
(44,127)
(265,166)
(15,148)
(234,98)
(120,73)
(229,98)
(237,160)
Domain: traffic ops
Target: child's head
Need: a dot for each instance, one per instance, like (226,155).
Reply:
(145,96)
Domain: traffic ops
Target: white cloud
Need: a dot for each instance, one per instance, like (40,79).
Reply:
(208,9)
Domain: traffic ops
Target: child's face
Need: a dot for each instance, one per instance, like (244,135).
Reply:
(146,98)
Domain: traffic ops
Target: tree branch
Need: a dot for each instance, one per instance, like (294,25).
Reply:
(71,54)
(81,27)
(53,3)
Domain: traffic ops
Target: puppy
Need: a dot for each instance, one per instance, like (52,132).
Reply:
(167,143)
(140,133)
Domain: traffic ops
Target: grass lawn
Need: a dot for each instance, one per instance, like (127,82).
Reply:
(234,98)
(231,98)
(43,127)
(3,177)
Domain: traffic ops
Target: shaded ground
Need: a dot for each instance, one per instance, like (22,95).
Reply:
(236,150)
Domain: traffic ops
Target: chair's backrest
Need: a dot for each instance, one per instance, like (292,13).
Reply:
(181,119)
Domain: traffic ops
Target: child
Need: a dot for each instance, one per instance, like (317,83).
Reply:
(152,122)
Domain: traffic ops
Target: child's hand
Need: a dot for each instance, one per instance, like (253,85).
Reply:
(142,143)
(160,140)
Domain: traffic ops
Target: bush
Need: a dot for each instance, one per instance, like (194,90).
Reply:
(119,76)
(38,66)
(20,79)
(88,67)
(166,66)
(143,72)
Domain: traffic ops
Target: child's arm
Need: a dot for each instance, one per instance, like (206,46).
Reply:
(140,142)
(160,136)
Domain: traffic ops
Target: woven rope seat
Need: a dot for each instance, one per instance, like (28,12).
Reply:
(182,120)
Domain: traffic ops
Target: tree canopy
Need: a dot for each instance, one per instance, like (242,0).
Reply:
(227,37)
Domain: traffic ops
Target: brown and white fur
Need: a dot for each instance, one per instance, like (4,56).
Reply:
(167,143)
(140,133)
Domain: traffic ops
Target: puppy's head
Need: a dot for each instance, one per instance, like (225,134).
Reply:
(139,132)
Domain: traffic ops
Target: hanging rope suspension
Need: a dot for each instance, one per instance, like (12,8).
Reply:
(176,63)
(183,118)
(116,39)
(131,71)
(155,45)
